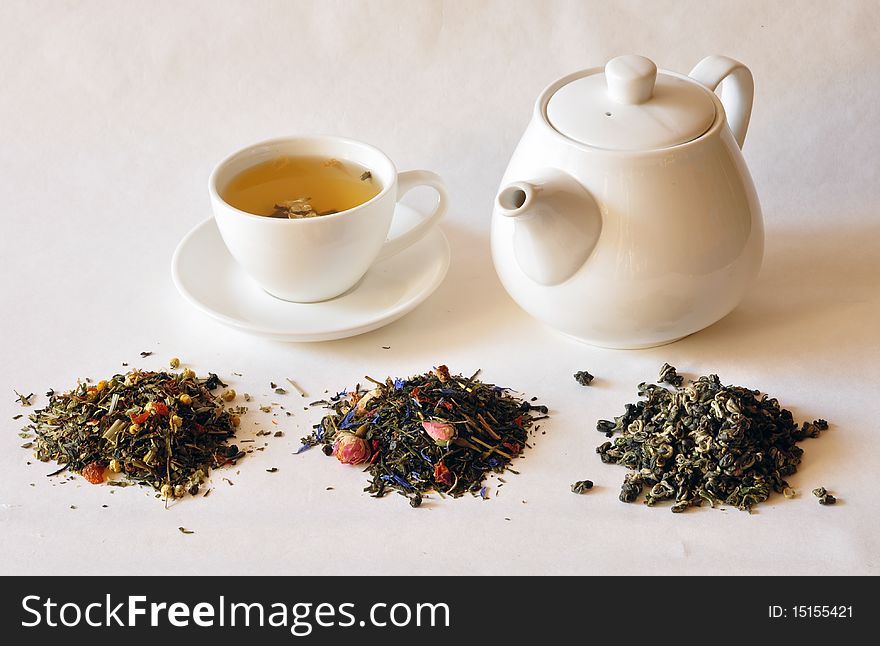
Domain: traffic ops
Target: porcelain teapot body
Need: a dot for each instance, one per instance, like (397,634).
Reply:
(632,248)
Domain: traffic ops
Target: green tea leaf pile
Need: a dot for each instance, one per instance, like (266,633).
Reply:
(704,442)
(161,429)
(431,432)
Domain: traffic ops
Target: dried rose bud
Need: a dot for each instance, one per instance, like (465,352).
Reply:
(439,431)
(350,449)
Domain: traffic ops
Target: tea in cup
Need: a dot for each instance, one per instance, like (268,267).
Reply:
(306,217)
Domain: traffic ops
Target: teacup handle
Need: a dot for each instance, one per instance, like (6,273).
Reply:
(406,181)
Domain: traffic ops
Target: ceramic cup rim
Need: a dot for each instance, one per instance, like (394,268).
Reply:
(387,182)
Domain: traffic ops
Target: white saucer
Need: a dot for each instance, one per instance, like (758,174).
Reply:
(208,277)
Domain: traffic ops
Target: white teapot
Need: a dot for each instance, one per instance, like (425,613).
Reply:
(627,217)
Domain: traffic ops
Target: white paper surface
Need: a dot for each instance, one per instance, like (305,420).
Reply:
(111,118)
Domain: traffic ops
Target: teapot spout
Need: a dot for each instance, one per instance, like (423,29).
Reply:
(557,225)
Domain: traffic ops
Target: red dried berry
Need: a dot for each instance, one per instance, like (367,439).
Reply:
(140,419)
(94,472)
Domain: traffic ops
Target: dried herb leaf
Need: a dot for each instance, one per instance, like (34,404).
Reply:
(296,387)
(159,429)
(431,432)
(704,442)
(668,375)
(24,400)
(297,209)
(582,486)
(583,377)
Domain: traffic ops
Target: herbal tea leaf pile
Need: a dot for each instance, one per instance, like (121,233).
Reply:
(160,429)
(432,432)
(704,442)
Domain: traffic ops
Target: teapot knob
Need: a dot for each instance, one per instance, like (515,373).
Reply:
(630,78)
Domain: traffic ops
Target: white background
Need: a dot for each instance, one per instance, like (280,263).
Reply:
(111,118)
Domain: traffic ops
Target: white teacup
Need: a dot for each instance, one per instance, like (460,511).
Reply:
(315,259)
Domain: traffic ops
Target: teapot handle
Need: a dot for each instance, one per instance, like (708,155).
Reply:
(737,92)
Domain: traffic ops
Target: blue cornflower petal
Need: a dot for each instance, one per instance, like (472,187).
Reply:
(399,383)
(493,461)
(398,479)
(304,447)
(346,421)
(426,456)
(484,493)
(402,482)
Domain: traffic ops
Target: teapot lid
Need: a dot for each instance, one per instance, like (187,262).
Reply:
(631,107)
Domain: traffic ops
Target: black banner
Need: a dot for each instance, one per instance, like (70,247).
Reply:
(433,610)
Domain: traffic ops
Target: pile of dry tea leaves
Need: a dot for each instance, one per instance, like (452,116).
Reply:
(704,442)
(432,432)
(159,429)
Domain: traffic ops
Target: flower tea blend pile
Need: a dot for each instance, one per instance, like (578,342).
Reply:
(432,432)
(704,442)
(160,429)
